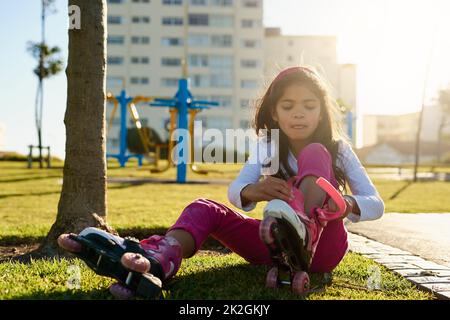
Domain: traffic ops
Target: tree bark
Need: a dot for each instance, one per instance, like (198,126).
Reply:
(83,197)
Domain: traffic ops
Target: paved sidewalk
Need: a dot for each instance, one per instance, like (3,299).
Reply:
(424,234)
(424,274)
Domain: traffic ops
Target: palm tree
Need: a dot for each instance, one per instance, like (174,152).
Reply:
(83,196)
(48,65)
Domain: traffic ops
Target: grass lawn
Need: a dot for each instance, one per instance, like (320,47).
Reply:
(28,203)
(205,276)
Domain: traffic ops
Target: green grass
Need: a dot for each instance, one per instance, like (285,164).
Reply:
(205,276)
(28,204)
(29,199)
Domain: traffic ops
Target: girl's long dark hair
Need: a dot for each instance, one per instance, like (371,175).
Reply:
(328,132)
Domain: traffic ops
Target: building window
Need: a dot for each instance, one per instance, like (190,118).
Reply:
(200,81)
(141,1)
(251,3)
(221,80)
(172,2)
(251,43)
(198,60)
(198,2)
(199,40)
(221,123)
(114,81)
(115,60)
(112,39)
(115,20)
(115,1)
(244,124)
(224,101)
(198,20)
(140,60)
(169,82)
(249,84)
(221,62)
(171,62)
(172,21)
(250,63)
(221,41)
(138,19)
(248,23)
(245,103)
(140,40)
(221,21)
(222,3)
(171,42)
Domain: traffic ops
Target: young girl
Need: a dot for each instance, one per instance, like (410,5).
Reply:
(298,104)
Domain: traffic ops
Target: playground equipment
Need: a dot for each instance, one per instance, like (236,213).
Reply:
(30,156)
(180,106)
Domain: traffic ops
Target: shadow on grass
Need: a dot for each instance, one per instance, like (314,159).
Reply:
(30,178)
(399,191)
(135,232)
(13,195)
(236,282)
(97,294)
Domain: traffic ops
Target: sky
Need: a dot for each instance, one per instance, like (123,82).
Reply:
(393,43)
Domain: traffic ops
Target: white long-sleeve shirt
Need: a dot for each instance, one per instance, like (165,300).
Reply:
(363,191)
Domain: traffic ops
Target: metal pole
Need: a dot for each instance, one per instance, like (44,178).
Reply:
(183,134)
(123,128)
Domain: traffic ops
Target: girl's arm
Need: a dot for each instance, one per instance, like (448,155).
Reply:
(366,201)
(250,174)
(247,189)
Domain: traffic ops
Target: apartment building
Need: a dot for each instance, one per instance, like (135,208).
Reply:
(221,40)
(403,127)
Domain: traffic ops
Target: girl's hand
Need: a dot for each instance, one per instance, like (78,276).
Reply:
(349,201)
(267,189)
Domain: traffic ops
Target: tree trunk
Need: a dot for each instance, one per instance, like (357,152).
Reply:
(83,197)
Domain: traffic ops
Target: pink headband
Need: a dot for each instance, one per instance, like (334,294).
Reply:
(287,71)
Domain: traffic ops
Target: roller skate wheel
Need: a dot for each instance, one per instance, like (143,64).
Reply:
(265,230)
(272,278)
(66,242)
(135,262)
(121,292)
(300,283)
(149,286)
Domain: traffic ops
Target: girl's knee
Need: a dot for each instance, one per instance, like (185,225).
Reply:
(205,209)
(314,149)
(199,204)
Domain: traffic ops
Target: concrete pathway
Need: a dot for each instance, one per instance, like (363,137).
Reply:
(424,234)
(426,275)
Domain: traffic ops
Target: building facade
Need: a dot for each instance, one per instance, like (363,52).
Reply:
(221,41)
(403,128)
(230,57)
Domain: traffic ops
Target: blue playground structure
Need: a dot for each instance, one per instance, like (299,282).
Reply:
(182,104)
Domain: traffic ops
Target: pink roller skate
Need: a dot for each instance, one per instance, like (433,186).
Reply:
(292,236)
(140,267)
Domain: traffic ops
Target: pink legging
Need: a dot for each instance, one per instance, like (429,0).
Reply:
(240,233)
